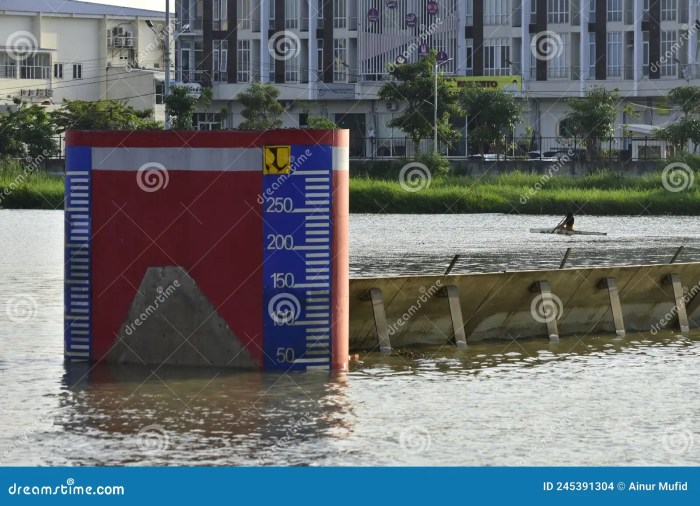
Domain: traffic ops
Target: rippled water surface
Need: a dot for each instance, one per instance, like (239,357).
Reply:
(593,402)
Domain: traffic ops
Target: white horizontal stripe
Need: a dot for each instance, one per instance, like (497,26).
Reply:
(78,173)
(319,292)
(310,360)
(317,299)
(310,173)
(318,180)
(80,180)
(74,202)
(196,159)
(318,255)
(317,203)
(312,285)
(317,308)
(317,232)
(317,195)
(318,239)
(77,282)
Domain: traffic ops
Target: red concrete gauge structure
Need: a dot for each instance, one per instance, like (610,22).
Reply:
(224,248)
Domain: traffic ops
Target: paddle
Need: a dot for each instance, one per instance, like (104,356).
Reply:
(560,224)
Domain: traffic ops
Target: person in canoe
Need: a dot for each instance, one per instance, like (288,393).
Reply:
(567,223)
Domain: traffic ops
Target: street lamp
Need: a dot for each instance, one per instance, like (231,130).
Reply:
(435,116)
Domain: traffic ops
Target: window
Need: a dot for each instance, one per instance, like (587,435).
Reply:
(291,13)
(558,11)
(558,66)
(592,9)
(319,58)
(668,10)
(496,54)
(469,12)
(614,10)
(340,66)
(207,121)
(243,14)
(645,53)
(220,61)
(470,54)
(58,70)
(160,90)
(8,66)
(668,63)
(220,8)
(77,71)
(37,66)
(243,61)
(496,12)
(615,54)
(592,55)
(339,14)
(291,69)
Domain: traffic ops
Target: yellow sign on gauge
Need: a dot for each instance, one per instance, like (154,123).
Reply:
(277,160)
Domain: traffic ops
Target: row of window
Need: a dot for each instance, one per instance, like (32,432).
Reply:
(35,67)
(191,58)
(77,70)
(499,12)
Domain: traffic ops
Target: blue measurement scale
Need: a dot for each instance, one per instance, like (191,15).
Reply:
(297,256)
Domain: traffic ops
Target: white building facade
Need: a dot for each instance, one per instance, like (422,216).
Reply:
(51,50)
(330,57)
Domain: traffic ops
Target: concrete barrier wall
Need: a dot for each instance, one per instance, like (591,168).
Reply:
(511,304)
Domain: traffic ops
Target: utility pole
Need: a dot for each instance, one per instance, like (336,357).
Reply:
(166,91)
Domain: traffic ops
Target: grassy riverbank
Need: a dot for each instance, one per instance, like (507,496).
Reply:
(600,194)
(25,188)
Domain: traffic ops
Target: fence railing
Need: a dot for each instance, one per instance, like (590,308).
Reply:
(547,149)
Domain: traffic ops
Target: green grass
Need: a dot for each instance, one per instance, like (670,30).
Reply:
(22,187)
(604,193)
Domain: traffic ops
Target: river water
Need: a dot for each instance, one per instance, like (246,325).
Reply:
(591,402)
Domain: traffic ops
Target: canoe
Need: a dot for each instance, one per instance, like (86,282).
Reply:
(564,232)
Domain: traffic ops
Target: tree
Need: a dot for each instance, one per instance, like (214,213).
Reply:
(261,109)
(27,132)
(593,117)
(679,133)
(101,115)
(320,123)
(414,85)
(686,98)
(492,113)
(181,104)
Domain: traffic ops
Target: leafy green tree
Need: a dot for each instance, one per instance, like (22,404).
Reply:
(261,107)
(414,85)
(101,115)
(181,104)
(491,113)
(593,116)
(27,132)
(679,133)
(320,123)
(686,98)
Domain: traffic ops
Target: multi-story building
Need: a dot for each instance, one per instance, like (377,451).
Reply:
(330,57)
(52,50)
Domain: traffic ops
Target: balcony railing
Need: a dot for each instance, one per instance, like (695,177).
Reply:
(118,41)
(34,72)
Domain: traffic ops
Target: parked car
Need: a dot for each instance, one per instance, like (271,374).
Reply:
(574,154)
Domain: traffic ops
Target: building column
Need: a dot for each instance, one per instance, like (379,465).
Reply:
(478,32)
(638,47)
(525,49)
(460,68)
(584,56)
(693,39)
(313,49)
(264,54)
(654,39)
(541,27)
(601,40)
